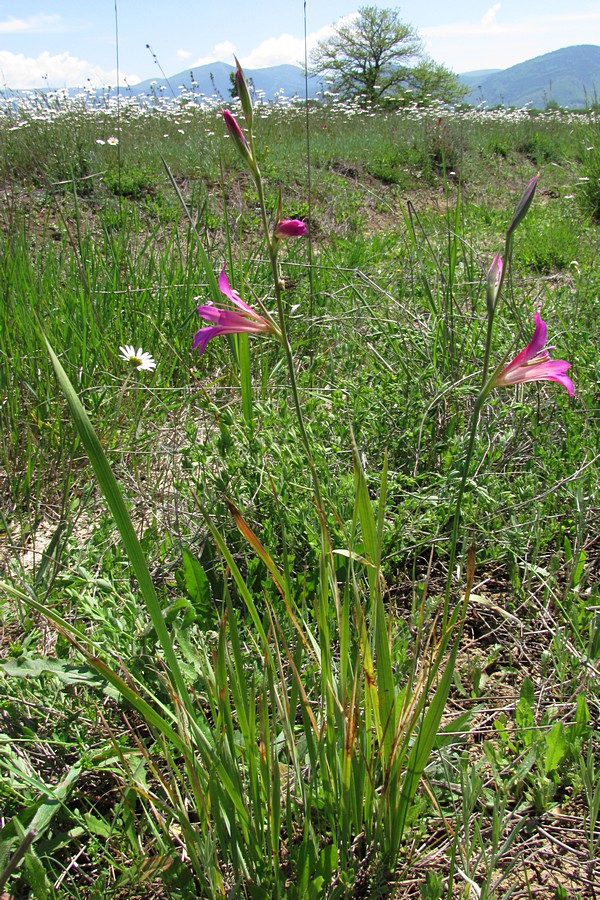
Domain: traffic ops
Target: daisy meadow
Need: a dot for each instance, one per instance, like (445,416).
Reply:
(138,358)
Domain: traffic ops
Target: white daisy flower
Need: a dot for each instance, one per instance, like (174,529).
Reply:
(138,358)
(113,141)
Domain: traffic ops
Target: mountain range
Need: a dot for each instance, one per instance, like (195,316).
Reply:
(214,80)
(569,77)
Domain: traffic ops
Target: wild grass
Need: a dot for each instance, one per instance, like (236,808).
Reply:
(109,787)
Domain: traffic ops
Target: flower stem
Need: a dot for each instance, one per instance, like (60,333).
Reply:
(466,467)
(273,249)
(486,387)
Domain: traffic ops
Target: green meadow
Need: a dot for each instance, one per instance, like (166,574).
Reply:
(314,613)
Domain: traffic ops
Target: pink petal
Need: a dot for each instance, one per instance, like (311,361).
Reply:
(533,363)
(495,270)
(566,382)
(537,343)
(547,370)
(233,128)
(290,228)
(204,335)
(232,295)
(227,317)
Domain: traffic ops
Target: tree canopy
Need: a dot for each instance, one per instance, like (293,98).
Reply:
(375,56)
(429,80)
(367,54)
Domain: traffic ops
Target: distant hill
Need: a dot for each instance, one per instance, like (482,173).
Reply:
(569,77)
(213,80)
(475,79)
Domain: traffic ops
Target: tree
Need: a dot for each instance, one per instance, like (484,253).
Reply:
(367,55)
(428,80)
(233,90)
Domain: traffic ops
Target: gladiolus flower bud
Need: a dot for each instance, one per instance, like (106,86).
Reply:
(243,93)
(290,228)
(239,138)
(522,206)
(494,278)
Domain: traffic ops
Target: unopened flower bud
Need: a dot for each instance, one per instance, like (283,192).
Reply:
(523,205)
(290,228)
(238,136)
(243,92)
(494,279)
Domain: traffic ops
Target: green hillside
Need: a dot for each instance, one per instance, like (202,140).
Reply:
(569,77)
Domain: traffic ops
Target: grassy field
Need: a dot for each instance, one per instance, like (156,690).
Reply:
(314,613)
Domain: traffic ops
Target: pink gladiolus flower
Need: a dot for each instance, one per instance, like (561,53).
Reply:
(290,228)
(533,363)
(230,321)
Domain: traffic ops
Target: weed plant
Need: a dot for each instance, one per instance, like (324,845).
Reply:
(198,684)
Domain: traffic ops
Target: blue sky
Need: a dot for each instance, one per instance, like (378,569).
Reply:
(71,42)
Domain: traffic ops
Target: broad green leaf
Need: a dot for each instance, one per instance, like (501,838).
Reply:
(556,746)
(199,590)
(68,673)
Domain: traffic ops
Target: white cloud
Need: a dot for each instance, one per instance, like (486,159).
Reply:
(489,43)
(38,24)
(222,52)
(274,52)
(184,54)
(225,47)
(55,70)
(285,48)
(489,19)
(551,24)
